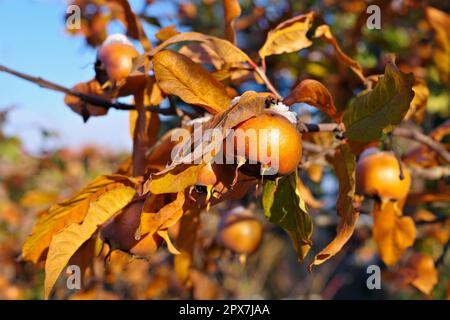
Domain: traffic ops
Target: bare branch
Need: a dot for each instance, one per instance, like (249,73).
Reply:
(424,139)
(88,98)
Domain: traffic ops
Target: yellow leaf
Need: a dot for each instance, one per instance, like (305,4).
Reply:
(440,22)
(167,32)
(232,10)
(64,244)
(165,235)
(427,275)
(392,232)
(37,198)
(70,211)
(288,36)
(153,220)
(419,102)
(174,181)
(178,75)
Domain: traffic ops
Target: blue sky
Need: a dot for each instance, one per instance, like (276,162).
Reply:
(33,40)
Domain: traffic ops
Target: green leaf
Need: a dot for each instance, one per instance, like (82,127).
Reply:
(379,109)
(284,207)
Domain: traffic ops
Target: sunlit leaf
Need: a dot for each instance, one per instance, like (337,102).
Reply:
(178,75)
(68,212)
(440,22)
(65,243)
(288,36)
(232,10)
(383,107)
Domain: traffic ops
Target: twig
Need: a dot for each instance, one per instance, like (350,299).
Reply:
(441,258)
(397,156)
(321,127)
(264,78)
(424,139)
(88,98)
(433,173)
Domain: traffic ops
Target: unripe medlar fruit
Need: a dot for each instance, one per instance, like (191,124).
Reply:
(272,130)
(240,232)
(117,60)
(120,232)
(378,175)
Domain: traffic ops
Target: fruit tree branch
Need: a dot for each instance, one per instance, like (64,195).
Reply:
(264,78)
(88,98)
(424,139)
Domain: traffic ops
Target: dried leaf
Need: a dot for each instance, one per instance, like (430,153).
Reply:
(344,164)
(178,75)
(325,33)
(284,207)
(440,22)
(316,94)
(65,243)
(419,102)
(232,10)
(186,243)
(163,218)
(202,54)
(173,181)
(68,212)
(225,50)
(288,36)
(383,107)
(392,232)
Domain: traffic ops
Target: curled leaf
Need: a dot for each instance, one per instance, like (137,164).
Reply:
(344,165)
(325,33)
(288,36)
(440,22)
(232,10)
(316,94)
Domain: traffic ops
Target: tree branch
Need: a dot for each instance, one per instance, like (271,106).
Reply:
(264,78)
(424,139)
(88,98)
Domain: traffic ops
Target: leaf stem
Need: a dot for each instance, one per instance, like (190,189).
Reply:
(264,78)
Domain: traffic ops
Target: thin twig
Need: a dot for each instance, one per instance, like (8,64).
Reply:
(264,78)
(88,98)
(397,156)
(424,139)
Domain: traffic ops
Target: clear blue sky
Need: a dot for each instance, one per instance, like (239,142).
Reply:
(33,40)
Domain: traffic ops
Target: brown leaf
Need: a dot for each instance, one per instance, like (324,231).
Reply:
(316,94)
(178,75)
(288,36)
(133,24)
(232,10)
(419,271)
(392,232)
(344,164)
(186,244)
(83,108)
(440,22)
(325,33)
(202,54)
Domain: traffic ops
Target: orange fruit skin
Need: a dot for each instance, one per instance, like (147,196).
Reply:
(377,174)
(240,232)
(279,128)
(117,59)
(120,232)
